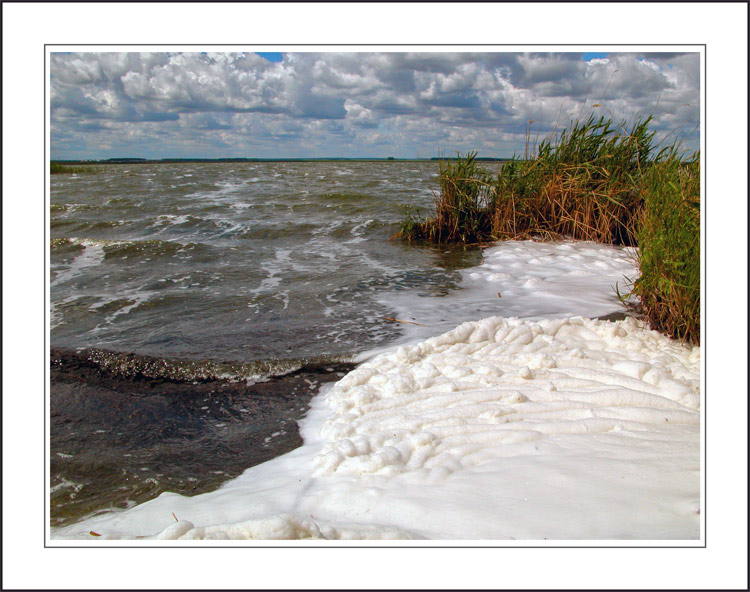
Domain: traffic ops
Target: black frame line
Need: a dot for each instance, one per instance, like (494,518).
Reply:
(704,211)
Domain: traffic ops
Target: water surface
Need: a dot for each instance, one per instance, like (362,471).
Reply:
(197,307)
(239,261)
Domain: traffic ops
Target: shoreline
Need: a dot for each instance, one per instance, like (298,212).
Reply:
(543,397)
(117,439)
(149,418)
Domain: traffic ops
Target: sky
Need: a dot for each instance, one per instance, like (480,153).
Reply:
(355,104)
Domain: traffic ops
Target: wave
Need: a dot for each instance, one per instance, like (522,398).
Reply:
(349,197)
(124,248)
(130,365)
(279,230)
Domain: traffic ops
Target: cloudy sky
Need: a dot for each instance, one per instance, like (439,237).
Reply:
(406,105)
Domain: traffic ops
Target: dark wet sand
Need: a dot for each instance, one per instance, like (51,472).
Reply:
(117,439)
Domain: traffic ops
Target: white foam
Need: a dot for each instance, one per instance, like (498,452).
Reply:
(498,429)
(524,279)
(92,254)
(273,268)
(136,297)
(501,428)
(67,484)
(56,315)
(223,189)
(358,230)
(171,220)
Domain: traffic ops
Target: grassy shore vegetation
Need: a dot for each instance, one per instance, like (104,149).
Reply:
(594,181)
(669,248)
(56,168)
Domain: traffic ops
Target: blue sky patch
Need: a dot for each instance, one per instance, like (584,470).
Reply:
(590,55)
(271,56)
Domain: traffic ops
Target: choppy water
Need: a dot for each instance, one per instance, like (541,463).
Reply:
(227,270)
(238,262)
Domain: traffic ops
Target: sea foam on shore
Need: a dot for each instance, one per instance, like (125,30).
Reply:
(498,429)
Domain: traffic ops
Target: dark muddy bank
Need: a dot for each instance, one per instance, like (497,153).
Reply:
(125,428)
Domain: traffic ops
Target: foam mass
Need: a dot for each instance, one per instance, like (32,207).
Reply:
(501,428)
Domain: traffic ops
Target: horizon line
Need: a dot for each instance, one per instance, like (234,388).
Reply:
(118,159)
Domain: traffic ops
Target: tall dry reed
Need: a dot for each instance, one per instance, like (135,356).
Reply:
(594,181)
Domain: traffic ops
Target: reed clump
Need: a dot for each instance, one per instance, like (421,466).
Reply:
(584,184)
(669,248)
(466,193)
(594,181)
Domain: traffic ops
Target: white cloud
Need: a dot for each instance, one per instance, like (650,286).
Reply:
(341,103)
